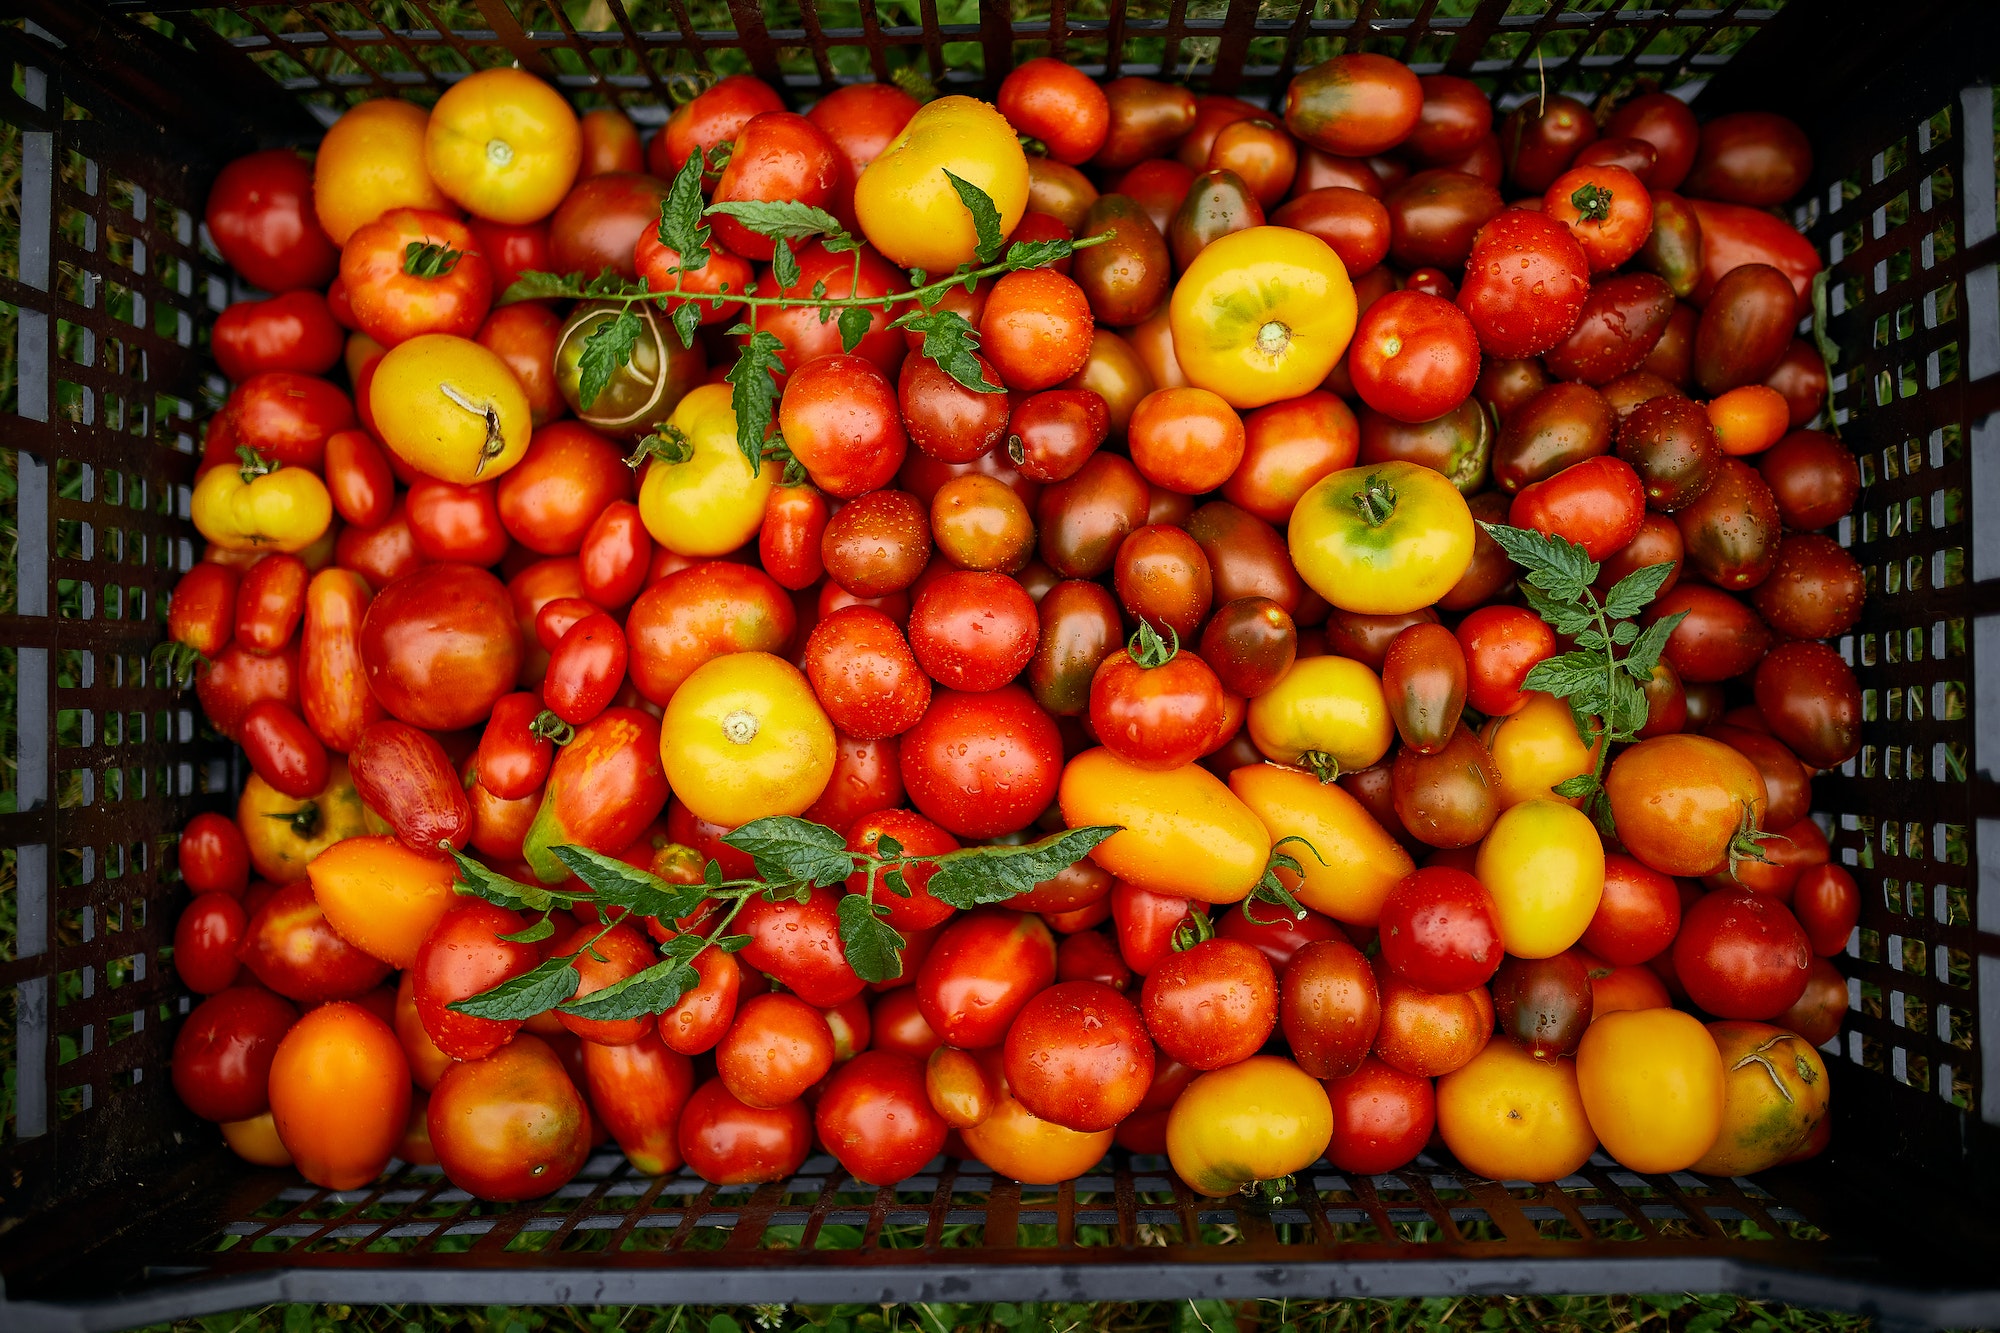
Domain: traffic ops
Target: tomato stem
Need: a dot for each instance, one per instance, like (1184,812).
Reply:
(1322,765)
(1148,650)
(1376,500)
(549,727)
(1592,200)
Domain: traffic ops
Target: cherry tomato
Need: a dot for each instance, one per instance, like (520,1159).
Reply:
(1330,1008)
(1525,283)
(1414,357)
(260,212)
(205,942)
(1382,1117)
(777,1048)
(586,669)
(1078,1055)
(982,765)
(1742,955)
(1827,904)
(973,631)
(463,956)
(1439,930)
(729,1143)
(839,418)
(1596,504)
(1429,1034)
(864,673)
(1153,706)
(223,1052)
(986,965)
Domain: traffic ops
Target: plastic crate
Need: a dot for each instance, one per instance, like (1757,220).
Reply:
(117,1207)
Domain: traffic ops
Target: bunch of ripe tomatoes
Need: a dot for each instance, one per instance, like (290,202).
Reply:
(1112,458)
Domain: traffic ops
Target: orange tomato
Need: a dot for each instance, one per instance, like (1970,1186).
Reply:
(504,145)
(340,1095)
(1022,1146)
(380,896)
(1652,1085)
(1749,419)
(1508,1116)
(371,161)
(256,1141)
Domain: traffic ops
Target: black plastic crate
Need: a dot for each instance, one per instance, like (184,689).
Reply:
(117,1207)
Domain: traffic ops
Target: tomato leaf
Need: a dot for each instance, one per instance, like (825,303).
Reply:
(609,282)
(975,875)
(1567,617)
(613,883)
(1581,785)
(985,217)
(1567,674)
(784,265)
(873,948)
(753,388)
(536,286)
(687,318)
(1646,649)
(781,219)
(1623,633)
(853,323)
(1036,254)
(653,991)
(476,881)
(950,341)
(606,350)
(541,930)
(523,997)
(1630,595)
(681,228)
(1554,564)
(787,849)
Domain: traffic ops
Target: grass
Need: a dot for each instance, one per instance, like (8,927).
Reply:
(1571,1314)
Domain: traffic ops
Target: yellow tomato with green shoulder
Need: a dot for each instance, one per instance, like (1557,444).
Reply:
(1544,865)
(285,834)
(1260,1119)
(504,145)
(699,496)
(1653,1087)
(1774,1095)
(1381,540)
(1261,315)
(1537,747)
(1351,863)
(1183,833)
(1507,1116)
(450,408)
(908,207)
(1326,713)
(744,737)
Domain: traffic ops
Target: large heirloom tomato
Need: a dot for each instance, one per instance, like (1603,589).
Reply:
(1262,315)
(744,738)
(1383,539)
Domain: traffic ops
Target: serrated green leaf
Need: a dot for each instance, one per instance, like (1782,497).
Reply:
(1566,674)
(1623,633)
(985,217)
(606,350)
(872,946)
(1580,785)
(853,324)
(732,943)
(1035,254)
(1591,640)
(477,881)
(781,219)
(1553,563)
(613,883)
(787,849)
(609,282)
(681,228)
(1627,711)
(785,265)
(753,389)
(1631,594)
(1565,616)
(975,875)
(892,879)
(686,319)
(652,991)
(950,341)
(1646,649)
(541,930)
(536,286)
(533,992)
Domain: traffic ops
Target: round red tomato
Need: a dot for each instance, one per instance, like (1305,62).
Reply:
(222,1054)
(864,673)
(260,212)
(916,836)
(1078,1055)
(1382,1117)
(205,941)
(1828,904)
(1742,955)
(973,631)
(1525,284)
(512,1125)
(876,1119)
(213,857)
(1155,707)
(291,331)
(1638,916)
(1606,208)
(839,418)
(777,1048)
(1438,930)
(1502,645)
(984,967)
(1211,1005)
(1598,504)
(982,764)
(1414,356)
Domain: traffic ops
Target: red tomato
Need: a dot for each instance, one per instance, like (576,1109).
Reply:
(875,1117)
(1154,710)
(1078,1055)
(1144,923)
(1211,1005)
(918,837)
(637,1091)
(513,249)
(799,944)
(702,1015)
(1329,1007)
(455,523)
(1606,208)
(287,417)
(1036,328)
(1742,955)
(1502,644)
(799,328)
(1598,504)
(289,946)
(865,674)
(1414,357)
(1665,122)
(777,155)
(567,479)
(1438,930)
(236,680)
(982,765)
(395,298)
(202,611)
(1382,1118)
(1827,904)
(729,1143)
(1186,440)
(205,941)
(699,613)
(586,669)
(778,1047)
(222,1053)
(613,557)
(283,750)
(985,966)
(292,331)
(212,856)
(260,213)
(1525,283)
(973,631)
(1057,103)
(510,1125)
(866,778)
(839,418)
(464,956)
(1638,916)
(359,479)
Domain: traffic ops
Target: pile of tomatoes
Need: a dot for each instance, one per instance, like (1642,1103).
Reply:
(1211,567)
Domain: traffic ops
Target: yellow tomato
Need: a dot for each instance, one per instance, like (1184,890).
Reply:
(909,209)
(372,160)
(1261,315)
(284,835)
(1327,713)
(504,145)
(1184,833)
(1536,748)
(1357,862)
(247,509)
(1508,1116)
(256,1140)
(380,896)
(1774,1094)
(1383,539)
(700,498)
(1260,1119)
(1544,865)
(450,408)
(744,737)
(1652,1085)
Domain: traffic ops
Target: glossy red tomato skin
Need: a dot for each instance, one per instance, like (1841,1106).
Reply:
(1211,1005)
(1078,1055)
(973,631)
(702,612)
(1414,357)
(1638,916)
(840,419)
(287,417)
(586,670)
(1811,701)
(984,967)
(597,225)
(289,946)
(874,1116)
(614,555)
(291,331)
(205,940)
(1720,637)
(982,765)
(866,778)
(1598,504)
(440,645)
(404,775)
(511,1125)
(799,327)
(1156,717)
(462,957)
(391,303)
(260,212)
(222,1053)
(729,1143)
(865,674)
(918,837)
(1144,923)
(512,249)
(450,522)
(1741,955)
(1665,122)
(799,944)
(702,1016)
(1438,931)
(1502,644)
(1525,284)
(283,750)
(212,855)
(1382,1118)
(1827,904)
(512,761)
(1276,934)
(779,155)
(637,1091)
(568,477)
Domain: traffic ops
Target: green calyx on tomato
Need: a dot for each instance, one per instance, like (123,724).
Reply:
(303,821)
(1748,842)
(1592,200)
(547,726)
(1375,501)
(1149,650)
(429,259)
